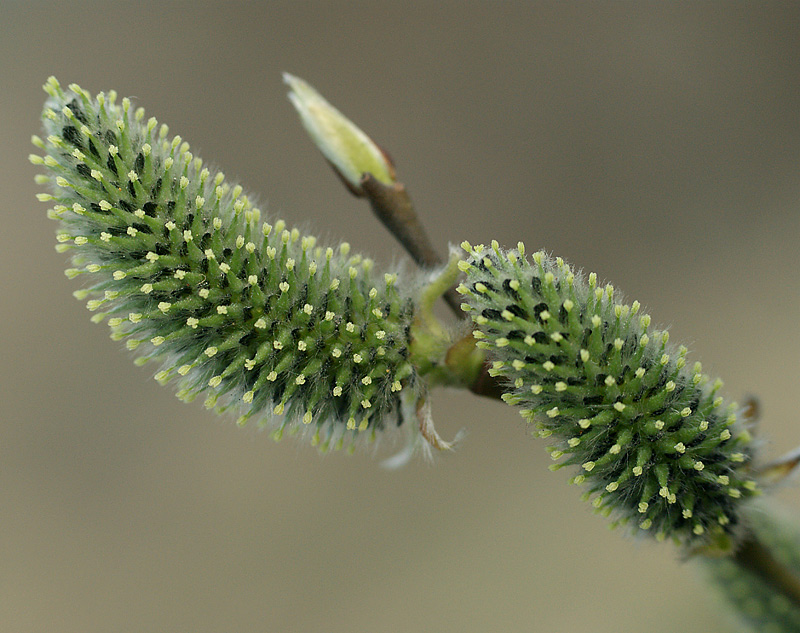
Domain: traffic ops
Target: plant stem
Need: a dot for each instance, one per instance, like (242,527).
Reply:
(753,556)
(393,207)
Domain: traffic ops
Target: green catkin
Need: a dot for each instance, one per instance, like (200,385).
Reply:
(256,317)
(652,442)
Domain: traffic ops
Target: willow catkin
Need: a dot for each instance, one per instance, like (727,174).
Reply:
(255,316)
(650,438)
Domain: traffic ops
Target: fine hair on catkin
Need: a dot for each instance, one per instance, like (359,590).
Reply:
(256,317)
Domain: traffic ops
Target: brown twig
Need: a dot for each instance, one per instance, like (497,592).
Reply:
(393,207)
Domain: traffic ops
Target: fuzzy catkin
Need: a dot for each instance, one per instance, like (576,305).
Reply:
(652,441)
(257,317)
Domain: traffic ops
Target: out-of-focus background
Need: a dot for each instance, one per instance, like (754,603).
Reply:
(657,144)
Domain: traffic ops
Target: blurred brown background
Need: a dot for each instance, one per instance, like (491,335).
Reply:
(657,144)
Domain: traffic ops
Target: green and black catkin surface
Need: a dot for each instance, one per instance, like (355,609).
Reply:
(256,317)
(653,443)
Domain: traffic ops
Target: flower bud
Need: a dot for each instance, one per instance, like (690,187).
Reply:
(349,151)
